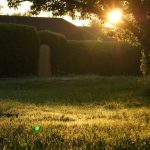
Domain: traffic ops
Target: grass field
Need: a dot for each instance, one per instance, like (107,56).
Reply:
(75,113)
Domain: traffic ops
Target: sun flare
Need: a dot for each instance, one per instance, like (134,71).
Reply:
(115,16)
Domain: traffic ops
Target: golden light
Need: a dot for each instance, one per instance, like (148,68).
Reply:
(115,16)
(5,10)
(25,6)
(108,25)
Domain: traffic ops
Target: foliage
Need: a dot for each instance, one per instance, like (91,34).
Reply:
(58,45)
(90,57)
(80,112)
(144,64)
(19,50)
(136,14)
(104,58)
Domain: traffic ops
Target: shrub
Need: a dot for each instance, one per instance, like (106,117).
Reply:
(104,58)
(58,45)
(90,57)
(19,50)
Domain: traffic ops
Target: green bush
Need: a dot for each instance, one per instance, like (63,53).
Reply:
(58,46)
(90,57)
(104,58)
(19,50)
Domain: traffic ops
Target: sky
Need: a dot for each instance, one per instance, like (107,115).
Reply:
(5,10)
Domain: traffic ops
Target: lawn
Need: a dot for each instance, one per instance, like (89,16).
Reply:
(75,113)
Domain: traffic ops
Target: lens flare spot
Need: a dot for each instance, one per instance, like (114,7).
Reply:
(37,128)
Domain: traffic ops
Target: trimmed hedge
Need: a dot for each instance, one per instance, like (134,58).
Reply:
(19,50)
(104,58)
(19,54)
(90,57)
(58,46)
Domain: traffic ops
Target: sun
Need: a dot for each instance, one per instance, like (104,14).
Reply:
(115,16)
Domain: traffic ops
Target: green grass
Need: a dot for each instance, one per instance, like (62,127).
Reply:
(81,112)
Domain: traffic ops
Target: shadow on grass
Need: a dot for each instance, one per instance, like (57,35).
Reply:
(75,91)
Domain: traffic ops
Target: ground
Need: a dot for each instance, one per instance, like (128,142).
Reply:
(79,112)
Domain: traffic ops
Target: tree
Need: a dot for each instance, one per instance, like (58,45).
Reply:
(136,18)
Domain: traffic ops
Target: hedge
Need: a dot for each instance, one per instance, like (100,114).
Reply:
(90,57)
(19,50)
(19,54)
(104,58)
(58,46)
